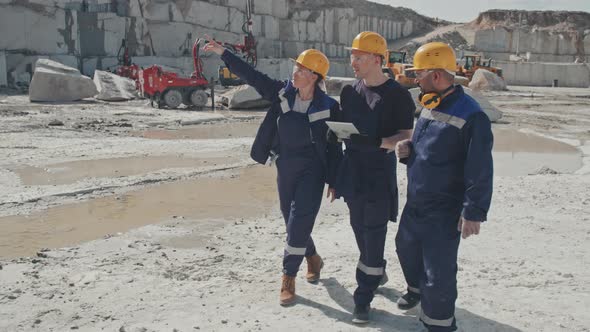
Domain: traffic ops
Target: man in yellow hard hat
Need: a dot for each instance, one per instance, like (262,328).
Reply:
(294,133)
(450,171)
(382,111)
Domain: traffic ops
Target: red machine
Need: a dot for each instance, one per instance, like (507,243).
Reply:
(168,89)
(248,48)
(125,67)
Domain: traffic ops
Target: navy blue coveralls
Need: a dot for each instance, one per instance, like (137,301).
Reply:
(305,161)
(367,177)
(450,172)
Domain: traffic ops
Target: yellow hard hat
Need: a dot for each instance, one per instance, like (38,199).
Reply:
(315,61)
(435,55)
(370,42)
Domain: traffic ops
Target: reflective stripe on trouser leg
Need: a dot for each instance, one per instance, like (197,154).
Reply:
(369,223)
(438,325)
(372,271)
(409,249)
(301,195)
(439,287)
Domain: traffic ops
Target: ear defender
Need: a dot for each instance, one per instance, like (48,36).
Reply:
(429,100)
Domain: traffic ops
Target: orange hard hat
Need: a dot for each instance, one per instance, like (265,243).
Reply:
(370,42)
(315,61)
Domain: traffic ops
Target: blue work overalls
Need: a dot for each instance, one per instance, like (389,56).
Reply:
(367,182)
(305,161)
(450,173)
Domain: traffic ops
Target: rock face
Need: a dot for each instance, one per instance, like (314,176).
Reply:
(113,87)
(485,80)
(490,110)
(53,81)
(243,96)
(546,36)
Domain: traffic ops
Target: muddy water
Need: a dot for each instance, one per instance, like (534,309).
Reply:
(204,131)
(71,172)
(517,153)
(250,193)
(209,200)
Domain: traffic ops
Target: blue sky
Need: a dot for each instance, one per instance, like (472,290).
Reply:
(467,10)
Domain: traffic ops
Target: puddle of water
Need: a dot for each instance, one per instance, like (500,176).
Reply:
(203,131)
(250,193)
(516,153)
(71,172)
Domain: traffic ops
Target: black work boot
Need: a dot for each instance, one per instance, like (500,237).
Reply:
(408,301)
(361,314)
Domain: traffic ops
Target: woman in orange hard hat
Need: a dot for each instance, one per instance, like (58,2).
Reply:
(294,134)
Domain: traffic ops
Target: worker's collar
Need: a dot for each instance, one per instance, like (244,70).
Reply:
(450,99)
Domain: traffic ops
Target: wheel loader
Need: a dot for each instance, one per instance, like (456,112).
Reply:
(474,62)
(395,67)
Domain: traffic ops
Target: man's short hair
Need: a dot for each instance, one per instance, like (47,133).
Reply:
(447,75)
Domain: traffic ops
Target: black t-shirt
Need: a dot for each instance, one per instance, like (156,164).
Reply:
(395,104)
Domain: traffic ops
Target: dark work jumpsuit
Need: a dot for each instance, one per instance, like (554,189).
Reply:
(305,161)
(450,171)
(367,177)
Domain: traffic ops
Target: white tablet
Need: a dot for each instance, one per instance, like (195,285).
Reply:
(342,129)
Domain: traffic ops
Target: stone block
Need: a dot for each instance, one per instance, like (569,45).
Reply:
(345,33)
(543,74)
(53,81)
(271,27)
(494,40)
(280,9)
(114,31)
(236,20)
(291,49)
(269,48)
(485,80)
(243,97)
(408,28)
(209,15)
(158,11)
(20,27)
(263,7)
(113,87)
(315,32)
(287,30)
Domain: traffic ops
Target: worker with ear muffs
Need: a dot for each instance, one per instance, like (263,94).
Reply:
(450,172)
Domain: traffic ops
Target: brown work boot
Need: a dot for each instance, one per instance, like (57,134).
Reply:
(314,266)
(287,290)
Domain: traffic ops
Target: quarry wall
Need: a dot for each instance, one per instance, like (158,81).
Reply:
(88,34)
(543,74)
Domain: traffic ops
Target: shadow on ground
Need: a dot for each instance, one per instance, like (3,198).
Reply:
(385,320)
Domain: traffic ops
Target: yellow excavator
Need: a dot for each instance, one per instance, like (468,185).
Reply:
(474,62)
(395,67)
